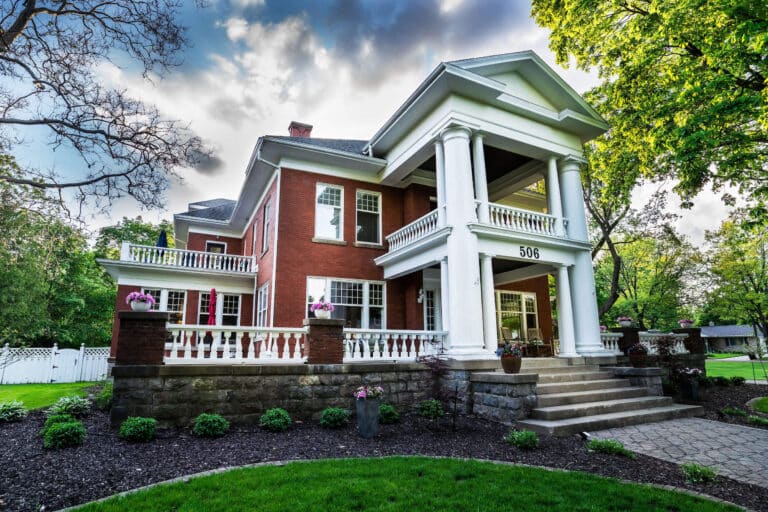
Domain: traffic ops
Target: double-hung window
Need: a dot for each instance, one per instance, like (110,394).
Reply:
(171,301)
(359,303)
(229,309)
(329,218)
(265,234)
(368,217)
(262,304)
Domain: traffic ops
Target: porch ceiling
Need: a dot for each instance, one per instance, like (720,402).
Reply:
(498,162)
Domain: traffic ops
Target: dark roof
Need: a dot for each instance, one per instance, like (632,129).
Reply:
(352,146)
(210,203)
(727,331)
(222,212)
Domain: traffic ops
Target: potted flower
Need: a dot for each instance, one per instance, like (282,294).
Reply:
(322,309)
(638,355)
(685,323)
(624,321)
(688,381)
(511,355)
(603,328)
(140,301)
(367,401)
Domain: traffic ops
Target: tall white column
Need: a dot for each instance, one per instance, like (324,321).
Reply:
(464,292)
(440,178)
(573,197)
(481,181)
(565,313)
(489,302)
(554,201)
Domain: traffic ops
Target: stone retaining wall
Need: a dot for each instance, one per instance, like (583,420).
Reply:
(501,397)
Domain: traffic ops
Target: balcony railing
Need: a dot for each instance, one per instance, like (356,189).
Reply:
(179,258)
(611,342)
(377,344)
(413,232)
(524,221)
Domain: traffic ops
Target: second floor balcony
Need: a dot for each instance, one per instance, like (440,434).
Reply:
(180,259)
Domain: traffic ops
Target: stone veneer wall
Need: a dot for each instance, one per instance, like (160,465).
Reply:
(505,398)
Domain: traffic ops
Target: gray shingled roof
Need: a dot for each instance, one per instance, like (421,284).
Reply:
(210,203)
(223,212)
(727,331)
(351,146)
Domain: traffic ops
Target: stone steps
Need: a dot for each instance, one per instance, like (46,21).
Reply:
(591,396)
(558,412)
(584,385)
(550,378)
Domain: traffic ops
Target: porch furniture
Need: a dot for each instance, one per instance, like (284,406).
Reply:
(536,346)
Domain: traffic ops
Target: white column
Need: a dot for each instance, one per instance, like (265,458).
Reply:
(444,305)
(573,197)
(554,201)
(440,178)
(125,251)
(481,182)
(565,313)
(489,302)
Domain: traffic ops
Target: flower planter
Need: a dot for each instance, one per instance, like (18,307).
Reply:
(626,323)
(137,305)
(685,325)
(511,364)
(689,390)
(367,416)
(323,314)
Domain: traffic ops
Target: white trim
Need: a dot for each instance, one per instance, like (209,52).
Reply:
(212,232)
(259,309)
(266,225)
(217,242)
(259,201)
(365,316)
(279,177)
(220,307)
(341,215)
(162,300)
(380,213)
(329,170)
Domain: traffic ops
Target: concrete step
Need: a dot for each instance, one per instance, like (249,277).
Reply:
(591,396)
(570,426)
(549,378)
(560,412)
(585,385)
(552,370)
(543,362)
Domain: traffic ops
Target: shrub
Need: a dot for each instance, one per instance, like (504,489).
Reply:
(388,414)
(12,411)
(104,398)
(54,419)
(695,473)
(757,420)
(609,446)
(334,417)
(75,405)
(738,381)
(138,429)
(210,425)
(275,420)
(734,411)
(62,435)
(525,439)
(431,409)
(721,381)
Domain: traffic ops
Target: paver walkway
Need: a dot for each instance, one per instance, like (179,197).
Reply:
(737,452)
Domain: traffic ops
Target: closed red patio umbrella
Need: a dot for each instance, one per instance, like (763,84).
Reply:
(212,308)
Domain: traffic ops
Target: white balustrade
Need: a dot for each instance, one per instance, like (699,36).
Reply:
(414,231)
(649,339)
(401,345)
(611,341)
(524,221)
(168,257)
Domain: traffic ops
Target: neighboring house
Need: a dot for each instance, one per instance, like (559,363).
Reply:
(451,217)
(729,338)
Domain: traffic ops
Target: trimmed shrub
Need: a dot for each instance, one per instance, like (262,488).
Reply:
(734,411)
(334,417)
(388,414)
(104,398)
(210,425)
(524,439)
(62,435)
(738,381)
(723,382)
(275,420)
(75,405)
(695,473)
(54,419)
(757,420)
(138,430)
(609,446)
(12,411)
(431,409)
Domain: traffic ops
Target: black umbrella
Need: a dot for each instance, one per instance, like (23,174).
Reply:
(162,241)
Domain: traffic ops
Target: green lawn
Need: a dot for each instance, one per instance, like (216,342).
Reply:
(762,405)
(724,355)
(37,396)
(402,483)
(736,368)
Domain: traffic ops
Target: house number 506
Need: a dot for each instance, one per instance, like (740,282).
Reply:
(529,252)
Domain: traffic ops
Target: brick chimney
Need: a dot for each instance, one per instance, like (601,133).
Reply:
(297,129)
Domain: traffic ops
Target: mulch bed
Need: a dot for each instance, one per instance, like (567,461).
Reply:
(718,398)
(33,479)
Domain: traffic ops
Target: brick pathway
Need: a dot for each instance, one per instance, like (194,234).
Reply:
(737,452)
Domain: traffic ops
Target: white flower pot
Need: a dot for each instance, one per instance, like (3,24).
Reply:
(625,323)
(685,325)
(322,313)
(137,305)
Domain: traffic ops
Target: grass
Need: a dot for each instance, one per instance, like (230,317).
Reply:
(402,483)
(761,405)
(735,368)
(38,396)
(724,355)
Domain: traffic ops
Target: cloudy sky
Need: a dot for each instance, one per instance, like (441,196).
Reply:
(343,66)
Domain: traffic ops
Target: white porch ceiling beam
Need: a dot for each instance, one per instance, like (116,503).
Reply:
(521,274)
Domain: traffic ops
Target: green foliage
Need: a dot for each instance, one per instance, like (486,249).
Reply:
(388,414)
(431,409)
(138,430)
(275,420)
(523,439)
(744,369)
(210,425)
(54,419)
(734,411)
(75,405)
(611,446)
(757,420)
(738,381)
(696,474)
(334,417)
(62,435)
(136,231)
(761,405)
(12,411)
(104,397)
(38,396)
(722,382)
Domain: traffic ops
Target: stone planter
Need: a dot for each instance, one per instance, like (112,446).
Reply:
(137,305)
(511,364)
(323,314)
(367,416)
(689,390)
(626,323)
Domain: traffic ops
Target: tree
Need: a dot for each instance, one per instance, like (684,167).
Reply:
(684,84)
(49,55)
(135,230)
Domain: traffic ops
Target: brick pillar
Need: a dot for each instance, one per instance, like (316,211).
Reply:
(325,341)
(693,343)
(629,336)
(141,338)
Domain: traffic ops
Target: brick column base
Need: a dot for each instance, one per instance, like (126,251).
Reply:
(630,336)
(325,341)
(141,338)
(693,343)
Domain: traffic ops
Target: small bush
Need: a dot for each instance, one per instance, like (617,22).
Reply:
(54,419)
(695,473)
(104,398)
(388,414)
(738,381)
(210,425)
(62,435)
(334,417)
(757,420)
(734,411)
(525,439)
(12,411)
(723,382)
(138,429)
(431,409)
(275,420)
(609,446)
(75,405)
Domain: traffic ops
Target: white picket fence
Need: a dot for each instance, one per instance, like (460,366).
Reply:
(45,365)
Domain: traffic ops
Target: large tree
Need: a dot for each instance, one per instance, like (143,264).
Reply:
(136,231)
(50,53)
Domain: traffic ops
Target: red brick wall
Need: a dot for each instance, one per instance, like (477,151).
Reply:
(416,202)
(539,286)
(122,293)
(246,309)
(196,242)
(265,259)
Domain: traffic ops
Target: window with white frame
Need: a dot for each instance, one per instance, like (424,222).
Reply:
(265,233)
(262,305)
(329,218)
(171,301)
(359,303)
(517,312)
(229,308)
(156,294)
(216,247)
(368,217)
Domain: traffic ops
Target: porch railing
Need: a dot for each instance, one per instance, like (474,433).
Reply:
(414,231)
(525,221)
(209,344)
(402,345)
(611,341)
(187,259)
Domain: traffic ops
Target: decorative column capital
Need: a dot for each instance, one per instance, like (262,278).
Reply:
(570,163)
(455,131)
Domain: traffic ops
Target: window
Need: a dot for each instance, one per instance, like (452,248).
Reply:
(216,247)
(329,222)
(228,307)
(430,317)
(265,234)
(262,305)
(368,217)
(171,301)
(156,294)
(517,312)
(360,303)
